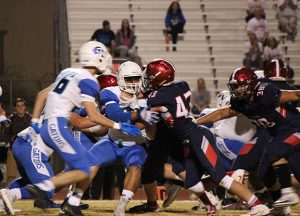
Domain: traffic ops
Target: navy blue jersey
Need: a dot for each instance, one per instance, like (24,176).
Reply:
(263,109)
(176,98)
(287,110)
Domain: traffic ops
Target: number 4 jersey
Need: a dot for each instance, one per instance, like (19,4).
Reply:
(176,98)
(72,87)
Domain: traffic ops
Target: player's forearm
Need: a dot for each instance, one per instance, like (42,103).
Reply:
(80,122)
(217,115)
(289,96)
(40,102)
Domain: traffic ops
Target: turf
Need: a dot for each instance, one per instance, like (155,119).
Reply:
(104,208)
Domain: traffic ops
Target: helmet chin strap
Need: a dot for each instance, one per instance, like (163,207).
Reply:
(128,100)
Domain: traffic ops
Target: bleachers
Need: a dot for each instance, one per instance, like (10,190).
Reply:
(211,47)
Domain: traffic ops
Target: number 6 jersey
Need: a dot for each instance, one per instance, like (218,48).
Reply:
(72,87)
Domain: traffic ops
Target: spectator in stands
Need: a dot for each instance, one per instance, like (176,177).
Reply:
(258,25)
(200,97)
(174,23)
(253,51)
(105,36)
(251,5)
(20,120)
(287,17)
(272,50)
(125,40)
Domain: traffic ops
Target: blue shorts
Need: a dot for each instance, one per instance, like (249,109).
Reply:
(83,139)
(33,165)
(56,134)
(107,152)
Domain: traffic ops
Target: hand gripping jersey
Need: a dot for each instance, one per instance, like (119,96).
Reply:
(119,110)
(262,110)
(72,87)
(176,98)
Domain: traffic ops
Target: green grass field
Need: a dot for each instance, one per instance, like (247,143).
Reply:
(105,208)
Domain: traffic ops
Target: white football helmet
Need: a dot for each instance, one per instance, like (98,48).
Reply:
(0,90)
(94,54)
(223,99)
(126,72)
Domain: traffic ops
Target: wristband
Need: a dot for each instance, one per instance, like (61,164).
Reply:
(2,118)
(116,126)
(95,128)
(35,120)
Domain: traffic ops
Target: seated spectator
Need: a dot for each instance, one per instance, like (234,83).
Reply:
(125,40)
(174,23)
(258,25)
(200,97)
(253,50)
(287,17)
(251,5)
(272,50)
(105,36)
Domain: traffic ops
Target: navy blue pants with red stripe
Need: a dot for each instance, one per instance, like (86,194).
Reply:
(282,146)
(250,154)
(203,157)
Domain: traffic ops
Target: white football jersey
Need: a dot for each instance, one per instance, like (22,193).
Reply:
(72,87)
(112,95)
(234,128)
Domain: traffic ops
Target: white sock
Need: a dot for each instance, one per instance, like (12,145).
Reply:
(46,185)
(70,191)
(261,190)
(127,195)
(76,197)
(15,194)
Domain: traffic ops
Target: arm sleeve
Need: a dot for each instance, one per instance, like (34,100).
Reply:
(94,36)
(89,90)
(168,21)
(182,19)
(112,108)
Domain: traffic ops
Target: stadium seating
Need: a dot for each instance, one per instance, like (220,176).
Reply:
(212,45)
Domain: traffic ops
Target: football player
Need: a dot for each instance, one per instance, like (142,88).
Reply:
(259,101)
(199,148)
(76,87)
(122,105)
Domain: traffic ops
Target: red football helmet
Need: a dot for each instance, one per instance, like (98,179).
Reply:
(275,70)
(158,73)
(107,80)
(242,83)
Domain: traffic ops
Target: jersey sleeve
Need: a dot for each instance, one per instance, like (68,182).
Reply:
(112,108)
(89,90)
(155,99)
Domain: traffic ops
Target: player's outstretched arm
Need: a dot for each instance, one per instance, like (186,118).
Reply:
(289,96)
(217,115)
